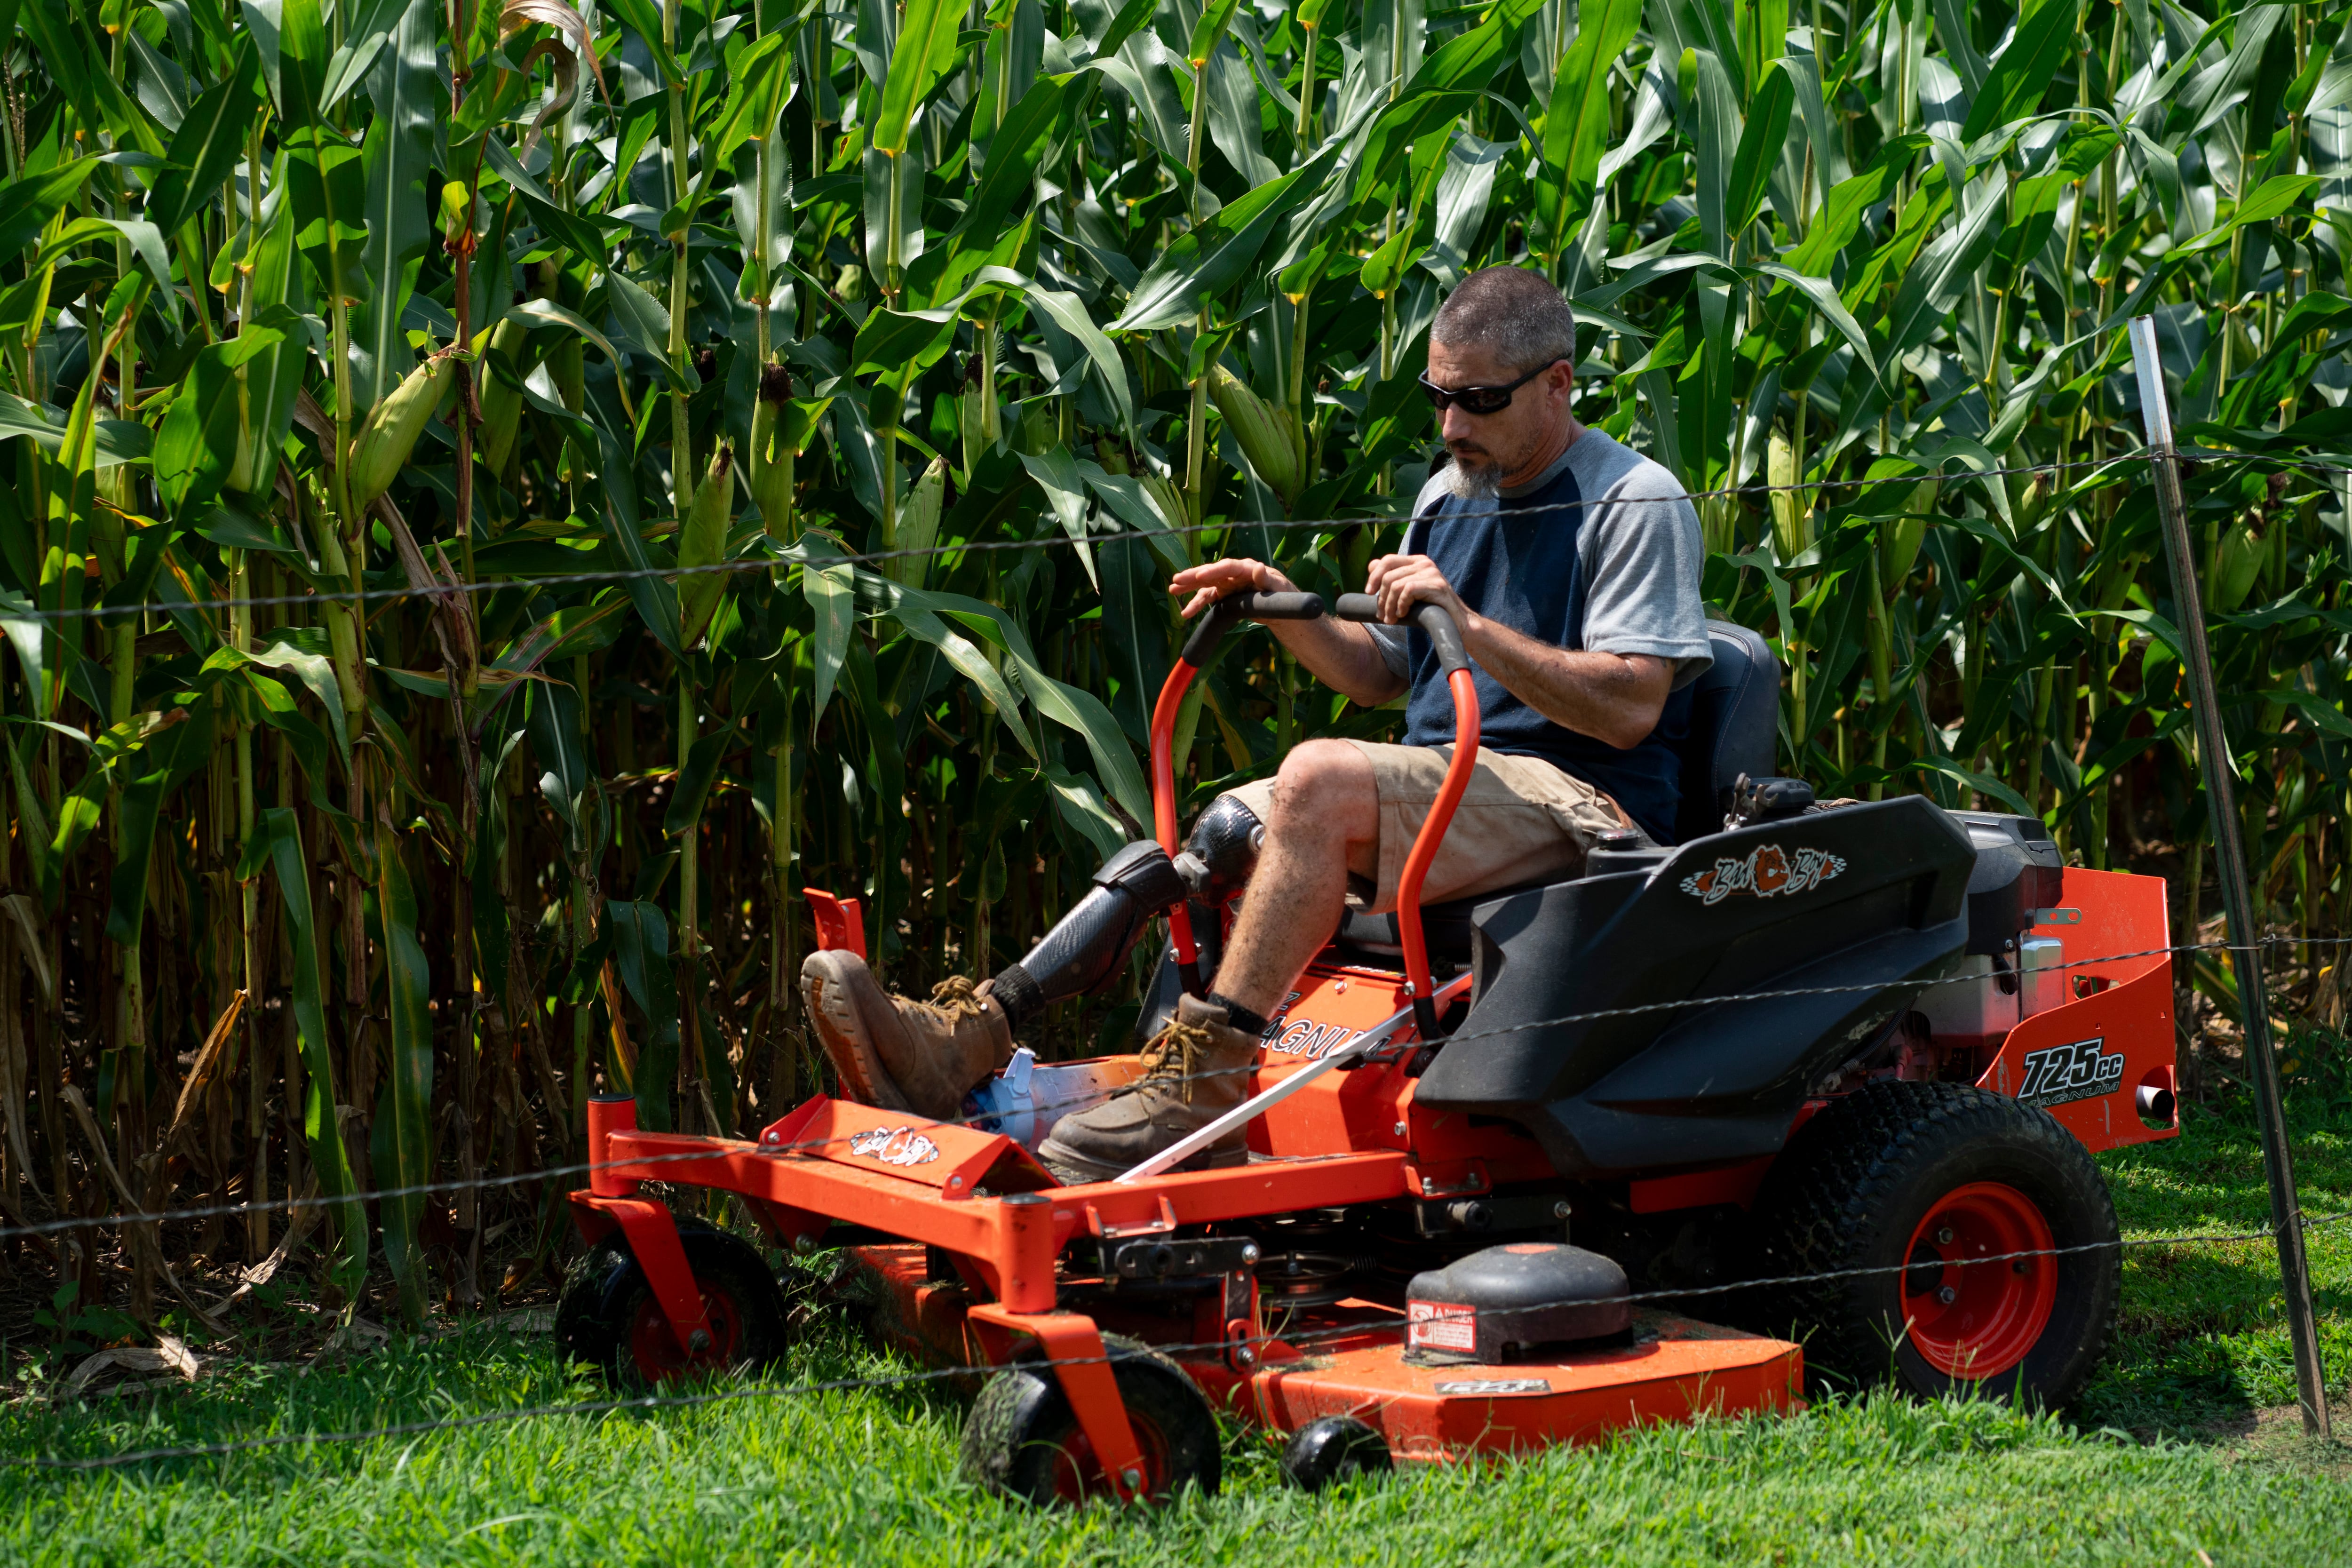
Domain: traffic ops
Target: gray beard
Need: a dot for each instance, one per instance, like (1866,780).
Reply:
(1484,484)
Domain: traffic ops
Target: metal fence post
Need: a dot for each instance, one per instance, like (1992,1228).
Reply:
(2214,762)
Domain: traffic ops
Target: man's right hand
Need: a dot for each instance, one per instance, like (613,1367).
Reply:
(1336,652)
(1208,583)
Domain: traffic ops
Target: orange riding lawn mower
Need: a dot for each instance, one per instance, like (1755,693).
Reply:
(1859,1052)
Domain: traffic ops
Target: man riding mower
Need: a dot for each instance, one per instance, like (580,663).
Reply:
(1570,565)
(1570,962)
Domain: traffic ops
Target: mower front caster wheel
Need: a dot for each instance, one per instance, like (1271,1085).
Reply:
(1022,1439)
(1332,1450)
(607,1315)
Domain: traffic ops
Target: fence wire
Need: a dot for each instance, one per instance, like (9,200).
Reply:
(1599,1014)
(1333,1335)
(769,562)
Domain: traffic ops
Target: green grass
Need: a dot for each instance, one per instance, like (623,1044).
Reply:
(869,1476)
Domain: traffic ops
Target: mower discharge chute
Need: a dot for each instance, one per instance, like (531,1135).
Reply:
(1860,1051)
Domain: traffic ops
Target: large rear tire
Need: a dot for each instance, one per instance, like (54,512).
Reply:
(1910,1205)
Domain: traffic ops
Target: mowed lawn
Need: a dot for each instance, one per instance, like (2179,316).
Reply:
(2155,1465)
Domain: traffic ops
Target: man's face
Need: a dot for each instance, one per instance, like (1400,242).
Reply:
(1489,447)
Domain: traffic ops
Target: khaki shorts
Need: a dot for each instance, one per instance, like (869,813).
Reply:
(1522,820)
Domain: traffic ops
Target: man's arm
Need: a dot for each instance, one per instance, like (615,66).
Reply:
(1340,654)
(1614,698)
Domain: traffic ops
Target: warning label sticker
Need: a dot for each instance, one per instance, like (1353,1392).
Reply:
(1440,1326)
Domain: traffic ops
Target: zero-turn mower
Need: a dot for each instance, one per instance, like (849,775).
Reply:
(1863,1051)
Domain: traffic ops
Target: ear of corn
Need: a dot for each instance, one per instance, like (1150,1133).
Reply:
(2236,564)
(1267,438)
(382,447)
(501,404)
(918,524)
(1899,540)
(702,541)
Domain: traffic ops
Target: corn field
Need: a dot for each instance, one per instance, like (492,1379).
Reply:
(383,777)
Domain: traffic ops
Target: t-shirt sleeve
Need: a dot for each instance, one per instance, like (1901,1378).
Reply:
(1643,564)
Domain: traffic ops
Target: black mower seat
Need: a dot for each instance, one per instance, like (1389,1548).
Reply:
(1730,728)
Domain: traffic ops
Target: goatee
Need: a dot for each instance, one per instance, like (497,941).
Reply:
(1484,482)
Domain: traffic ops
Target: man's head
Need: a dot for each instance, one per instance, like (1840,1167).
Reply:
(1498,326)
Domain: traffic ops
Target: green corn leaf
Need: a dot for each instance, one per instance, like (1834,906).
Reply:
(926,46)
(762,80)
(1761,140)
(30,200)
(1576,125)
(2044,38)
(207,146)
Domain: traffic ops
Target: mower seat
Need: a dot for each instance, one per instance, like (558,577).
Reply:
(1730,728)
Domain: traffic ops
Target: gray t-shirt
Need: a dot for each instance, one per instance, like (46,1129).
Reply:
(1639,544)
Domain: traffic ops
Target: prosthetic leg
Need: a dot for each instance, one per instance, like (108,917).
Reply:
(1086,948)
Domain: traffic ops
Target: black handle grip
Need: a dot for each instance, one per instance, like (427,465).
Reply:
(1254,606)
(1244,605)
(1445,636)
(1436,620)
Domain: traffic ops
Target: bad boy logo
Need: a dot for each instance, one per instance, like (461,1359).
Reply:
(895,1146)
(1769,871)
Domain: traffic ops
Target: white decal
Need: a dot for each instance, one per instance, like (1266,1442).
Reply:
(1768,870)
(2084,1070)
(1493,1385)
(895,1146)
(1440,1326)
(1310,1040)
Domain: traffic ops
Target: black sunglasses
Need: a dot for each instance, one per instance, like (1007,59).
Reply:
(1478,399)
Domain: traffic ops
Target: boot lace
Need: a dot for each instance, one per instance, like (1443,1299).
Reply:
(1176,1055)
(953,998)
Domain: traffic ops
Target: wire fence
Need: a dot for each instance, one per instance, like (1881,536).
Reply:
(830,561)
(1359,1332)
(989,1120)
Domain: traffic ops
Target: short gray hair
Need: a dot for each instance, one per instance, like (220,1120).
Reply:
(1511,312)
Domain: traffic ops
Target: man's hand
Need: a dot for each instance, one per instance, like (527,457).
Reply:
(1335,652)
(1214,581)
(1400,581)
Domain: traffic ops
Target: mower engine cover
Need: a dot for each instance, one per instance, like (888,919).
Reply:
(1476,1309)
(2018,872)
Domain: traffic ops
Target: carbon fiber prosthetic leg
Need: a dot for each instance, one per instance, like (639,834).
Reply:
(1088,946)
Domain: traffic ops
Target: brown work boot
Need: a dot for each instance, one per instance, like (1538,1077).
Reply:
(1194,1070)
(902,1055)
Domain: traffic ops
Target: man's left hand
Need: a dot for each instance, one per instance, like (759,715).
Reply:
(1400,581)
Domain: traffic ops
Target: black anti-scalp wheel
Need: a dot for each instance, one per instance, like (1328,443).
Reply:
(1022,1439)
(607,1317)
(1968,1244)
(1333,1449)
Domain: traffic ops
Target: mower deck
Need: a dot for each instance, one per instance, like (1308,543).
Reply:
(1349,1359)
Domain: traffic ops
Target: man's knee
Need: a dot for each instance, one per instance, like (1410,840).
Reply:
(1323,787)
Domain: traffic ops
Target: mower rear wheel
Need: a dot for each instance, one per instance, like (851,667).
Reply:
(1975,1236)
(607,1315)
(1022,1439)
